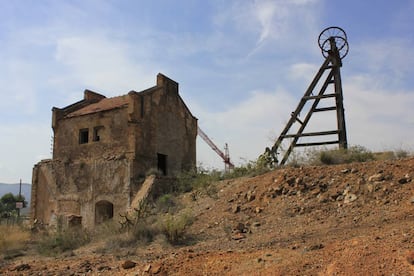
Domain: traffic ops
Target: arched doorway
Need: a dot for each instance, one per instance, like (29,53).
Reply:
(104,210)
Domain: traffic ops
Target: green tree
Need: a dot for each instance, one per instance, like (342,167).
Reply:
(8,203)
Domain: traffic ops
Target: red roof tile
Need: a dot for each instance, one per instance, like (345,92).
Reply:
(102,105)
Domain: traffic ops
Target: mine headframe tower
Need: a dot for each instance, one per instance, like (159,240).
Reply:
(334,46)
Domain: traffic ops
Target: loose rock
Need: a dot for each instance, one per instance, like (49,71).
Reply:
(235,209)
(405,179)
(376,177)
(128,264)
(147,268)
(371,188)
(156,269)
(410,257)
(240,228)
(258,210)
(85,266)
(250,196)
(350,198)
(22,267)
(238,236)
(103,268)
(315,247)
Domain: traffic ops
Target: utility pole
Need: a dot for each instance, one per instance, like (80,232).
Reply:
(19,204)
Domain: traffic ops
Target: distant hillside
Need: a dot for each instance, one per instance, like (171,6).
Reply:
(14,189)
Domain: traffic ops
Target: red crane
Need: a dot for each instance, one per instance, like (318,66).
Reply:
(228,165)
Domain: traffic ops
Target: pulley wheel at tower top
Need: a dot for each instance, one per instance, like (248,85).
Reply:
(341,45)
(331,32)
(336,35)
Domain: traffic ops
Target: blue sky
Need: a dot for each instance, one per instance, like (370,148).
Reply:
(242,67)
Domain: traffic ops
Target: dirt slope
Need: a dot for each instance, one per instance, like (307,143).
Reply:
(355,219)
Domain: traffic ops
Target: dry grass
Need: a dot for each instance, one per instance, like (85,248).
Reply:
(174,226)
(50,244)
(12,238)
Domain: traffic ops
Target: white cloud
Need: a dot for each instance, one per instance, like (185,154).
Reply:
(273,25)
(97,62)
(264,12)
(51,64)
(275,17)
(247,127)
(388,60)
(18,93)
(377,118)
(303,72)
(22,145)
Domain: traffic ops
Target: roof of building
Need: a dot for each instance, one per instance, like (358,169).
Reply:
(102,105)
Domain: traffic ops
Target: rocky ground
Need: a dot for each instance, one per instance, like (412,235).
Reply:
(354,219)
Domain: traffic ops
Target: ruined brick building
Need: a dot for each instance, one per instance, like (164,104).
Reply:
(103,148)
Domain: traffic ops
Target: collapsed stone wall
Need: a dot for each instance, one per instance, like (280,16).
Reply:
(77,188)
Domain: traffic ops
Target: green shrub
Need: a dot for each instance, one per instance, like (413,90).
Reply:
(390,155)
(204,180)
(106,229)
(144,231)
(63,240)
(115,242)
(401,153)
(384,155)
(197,180)
(174,227)
(153,171)
(185,181)
(341,156)
(165,203)
(251,168)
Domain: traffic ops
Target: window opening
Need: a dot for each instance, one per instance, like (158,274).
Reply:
(96,133)
(162,163)
(104,210)
(83,136)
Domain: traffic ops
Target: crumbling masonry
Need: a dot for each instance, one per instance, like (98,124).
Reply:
(104,147)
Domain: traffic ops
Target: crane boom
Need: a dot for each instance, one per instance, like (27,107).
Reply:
(225,157)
